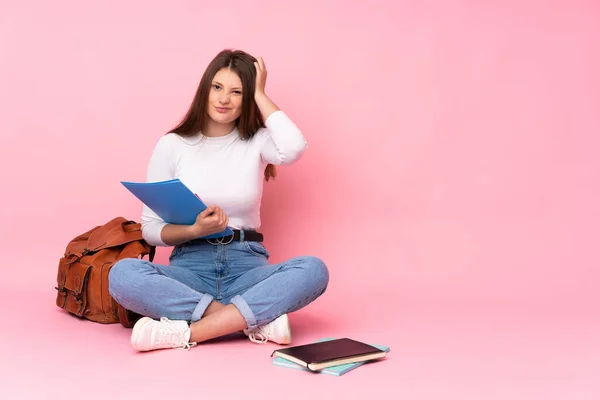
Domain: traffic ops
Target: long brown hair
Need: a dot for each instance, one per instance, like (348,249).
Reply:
(251,119)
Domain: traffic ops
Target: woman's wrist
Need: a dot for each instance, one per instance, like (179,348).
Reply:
(265,104)
(195,232)
(259,94)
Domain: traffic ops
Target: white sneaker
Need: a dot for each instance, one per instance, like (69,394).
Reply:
(149,334)
(277,331)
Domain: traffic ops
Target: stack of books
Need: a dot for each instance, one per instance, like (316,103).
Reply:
(329,356)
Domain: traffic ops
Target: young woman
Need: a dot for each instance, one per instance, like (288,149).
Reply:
(231,136)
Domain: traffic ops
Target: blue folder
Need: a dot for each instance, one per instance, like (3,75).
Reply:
(172,201)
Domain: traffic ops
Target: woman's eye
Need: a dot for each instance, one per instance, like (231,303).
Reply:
(217,87)
(237,92)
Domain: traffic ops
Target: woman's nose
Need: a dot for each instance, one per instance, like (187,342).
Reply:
(224,99)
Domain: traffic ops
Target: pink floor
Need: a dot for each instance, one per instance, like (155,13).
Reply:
(439,351)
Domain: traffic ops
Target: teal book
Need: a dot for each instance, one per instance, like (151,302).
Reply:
(173,201)
(337,370)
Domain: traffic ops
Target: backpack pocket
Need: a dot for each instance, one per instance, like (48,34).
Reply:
(72,282)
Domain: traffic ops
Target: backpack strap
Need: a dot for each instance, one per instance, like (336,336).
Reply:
(131,226)
(151,253)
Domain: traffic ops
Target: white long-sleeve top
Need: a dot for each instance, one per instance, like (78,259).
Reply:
(226,171)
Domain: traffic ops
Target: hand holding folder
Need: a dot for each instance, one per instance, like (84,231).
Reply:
(171,200)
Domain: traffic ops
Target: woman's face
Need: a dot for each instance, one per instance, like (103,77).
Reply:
(225,97)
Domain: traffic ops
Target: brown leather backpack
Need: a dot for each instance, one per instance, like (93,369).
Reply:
(83,271)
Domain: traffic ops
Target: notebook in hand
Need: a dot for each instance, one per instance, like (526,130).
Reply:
(172,201)
(337,370)
(330,353)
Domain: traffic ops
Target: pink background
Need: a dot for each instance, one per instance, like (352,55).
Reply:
(451,184)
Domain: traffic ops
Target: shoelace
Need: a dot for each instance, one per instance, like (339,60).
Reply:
(186,346)
(170,333)
(259,336)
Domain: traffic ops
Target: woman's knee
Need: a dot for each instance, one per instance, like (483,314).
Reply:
(316,270)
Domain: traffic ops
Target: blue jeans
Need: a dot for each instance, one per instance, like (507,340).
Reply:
(236,273)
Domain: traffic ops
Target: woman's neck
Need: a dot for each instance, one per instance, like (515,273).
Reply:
(216,129)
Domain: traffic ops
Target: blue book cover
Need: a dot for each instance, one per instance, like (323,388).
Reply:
(172,201)
(338,370)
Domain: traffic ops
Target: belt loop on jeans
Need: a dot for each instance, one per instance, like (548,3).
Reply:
(241,235)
